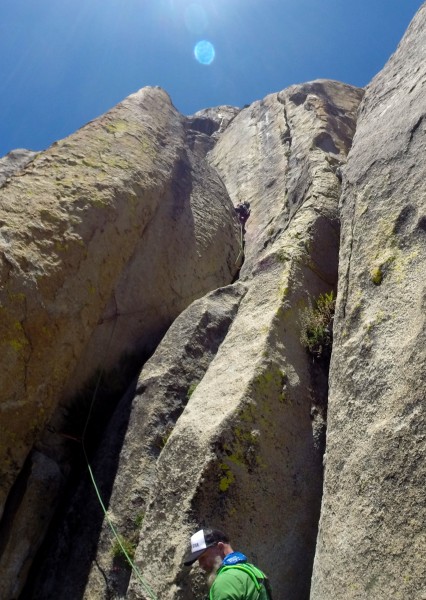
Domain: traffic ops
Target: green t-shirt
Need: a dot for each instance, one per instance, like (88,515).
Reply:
(234,583)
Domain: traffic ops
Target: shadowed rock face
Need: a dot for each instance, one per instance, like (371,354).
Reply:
(372,537)
(206,126)
(144,419)
(102,236)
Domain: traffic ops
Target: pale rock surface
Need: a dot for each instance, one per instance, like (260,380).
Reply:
(132,443)
(104,240)
(14,162)
(372,538)
(277,129)
(245,454)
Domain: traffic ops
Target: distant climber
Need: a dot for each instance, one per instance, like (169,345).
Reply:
(229,573)
(243,211)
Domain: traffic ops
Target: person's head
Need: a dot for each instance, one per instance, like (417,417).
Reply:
(209,547)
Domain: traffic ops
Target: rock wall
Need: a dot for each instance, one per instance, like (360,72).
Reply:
(125,463)
(245,454)
(104,241)
(13,162)
(220,417)
(372,540)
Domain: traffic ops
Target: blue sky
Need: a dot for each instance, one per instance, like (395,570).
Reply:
(64,62)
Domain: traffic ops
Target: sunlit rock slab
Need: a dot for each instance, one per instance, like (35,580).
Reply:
(103,234)
(372,540)
(245,455)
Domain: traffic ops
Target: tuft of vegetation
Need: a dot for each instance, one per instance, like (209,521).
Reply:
(165,436)
(162,438)
(376,275)
(122,546)
(317,326)
(139,519)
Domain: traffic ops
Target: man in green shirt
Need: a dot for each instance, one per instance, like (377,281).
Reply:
(230,576)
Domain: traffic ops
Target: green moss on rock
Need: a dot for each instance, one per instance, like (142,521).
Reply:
(376,275)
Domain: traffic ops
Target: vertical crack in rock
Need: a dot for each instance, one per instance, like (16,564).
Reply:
(371,537)
(244,455)
(345,264)
(125,464)
(77,237)
(415,129)
(287,143)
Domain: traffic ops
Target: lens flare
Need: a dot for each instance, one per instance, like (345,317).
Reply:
(204,52)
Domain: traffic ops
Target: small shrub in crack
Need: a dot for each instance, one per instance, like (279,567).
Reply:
(139,519)
(123,546)
(317,326)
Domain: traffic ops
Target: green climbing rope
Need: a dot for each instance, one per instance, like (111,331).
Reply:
(241,252)
(134,567)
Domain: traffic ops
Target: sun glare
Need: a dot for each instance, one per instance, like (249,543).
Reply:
(196,19)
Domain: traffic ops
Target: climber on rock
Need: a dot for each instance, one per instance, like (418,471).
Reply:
(229,575)
(243,211)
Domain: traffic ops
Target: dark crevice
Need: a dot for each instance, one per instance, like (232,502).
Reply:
(415,128)
(71,545)
(68,523)
(13,502)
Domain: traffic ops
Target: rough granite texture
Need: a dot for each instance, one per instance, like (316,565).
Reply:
(291,134)
(372,539)
(225,425)
(14,162)
(104,240)
(132,443)
(245,454)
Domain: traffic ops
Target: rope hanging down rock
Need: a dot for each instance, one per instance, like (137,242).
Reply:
(134,567)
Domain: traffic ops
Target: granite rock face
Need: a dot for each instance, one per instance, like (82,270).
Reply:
(245,454)
(131,225)
(226,422)
(14,162)
(104,240)
(372,537)
(132,443)
(285,149)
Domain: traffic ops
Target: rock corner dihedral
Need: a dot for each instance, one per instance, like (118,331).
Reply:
(156,272)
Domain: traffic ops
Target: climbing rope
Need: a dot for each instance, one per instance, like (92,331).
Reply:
(241,244)
(134,567)
(129,560)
